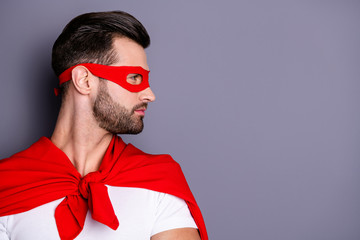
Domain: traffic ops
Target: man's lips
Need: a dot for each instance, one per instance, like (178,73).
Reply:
(140,111)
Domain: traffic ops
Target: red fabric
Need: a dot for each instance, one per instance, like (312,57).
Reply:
(43,173)
(116,74)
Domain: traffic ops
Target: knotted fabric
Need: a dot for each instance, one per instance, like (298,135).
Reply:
(43,173)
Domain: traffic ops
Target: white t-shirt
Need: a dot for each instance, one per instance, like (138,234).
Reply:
(141,214)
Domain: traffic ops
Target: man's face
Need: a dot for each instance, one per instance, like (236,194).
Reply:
(114,117)
(116,109)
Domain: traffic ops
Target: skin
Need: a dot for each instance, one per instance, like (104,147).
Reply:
(78,133)
(178,234)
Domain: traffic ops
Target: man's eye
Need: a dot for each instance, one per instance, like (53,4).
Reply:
(134,79)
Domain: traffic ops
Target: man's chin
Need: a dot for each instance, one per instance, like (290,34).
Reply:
(131,130)
(137,130)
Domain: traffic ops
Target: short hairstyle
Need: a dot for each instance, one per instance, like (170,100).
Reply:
(88,38)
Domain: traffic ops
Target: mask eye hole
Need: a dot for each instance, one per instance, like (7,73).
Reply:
(134,78)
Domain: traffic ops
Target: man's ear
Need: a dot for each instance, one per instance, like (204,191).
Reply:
(80,76)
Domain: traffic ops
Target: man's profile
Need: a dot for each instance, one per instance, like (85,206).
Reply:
(84,182)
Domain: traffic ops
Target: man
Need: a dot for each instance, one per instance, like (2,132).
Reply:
(85,182)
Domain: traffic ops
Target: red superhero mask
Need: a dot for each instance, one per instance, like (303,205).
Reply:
(132,78)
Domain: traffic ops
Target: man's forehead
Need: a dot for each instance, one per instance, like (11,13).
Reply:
(129,53)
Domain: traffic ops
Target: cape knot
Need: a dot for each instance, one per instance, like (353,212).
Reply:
(84,184)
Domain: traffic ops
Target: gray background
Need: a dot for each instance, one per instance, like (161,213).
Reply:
(257,100)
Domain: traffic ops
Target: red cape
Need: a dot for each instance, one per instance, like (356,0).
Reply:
(43,173)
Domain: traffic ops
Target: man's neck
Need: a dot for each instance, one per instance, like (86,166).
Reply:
(82,140)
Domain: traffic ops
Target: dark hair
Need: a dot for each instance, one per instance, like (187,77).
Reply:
(89,38)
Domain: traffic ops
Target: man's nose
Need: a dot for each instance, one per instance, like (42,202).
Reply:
(147,95)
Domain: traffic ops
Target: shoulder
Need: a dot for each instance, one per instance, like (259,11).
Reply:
(149,166)
(156,211)
(36,156)
(134,154)
(36,150)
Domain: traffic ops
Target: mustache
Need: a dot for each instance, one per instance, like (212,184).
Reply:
(138,106)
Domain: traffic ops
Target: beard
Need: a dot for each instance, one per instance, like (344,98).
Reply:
(114,117)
